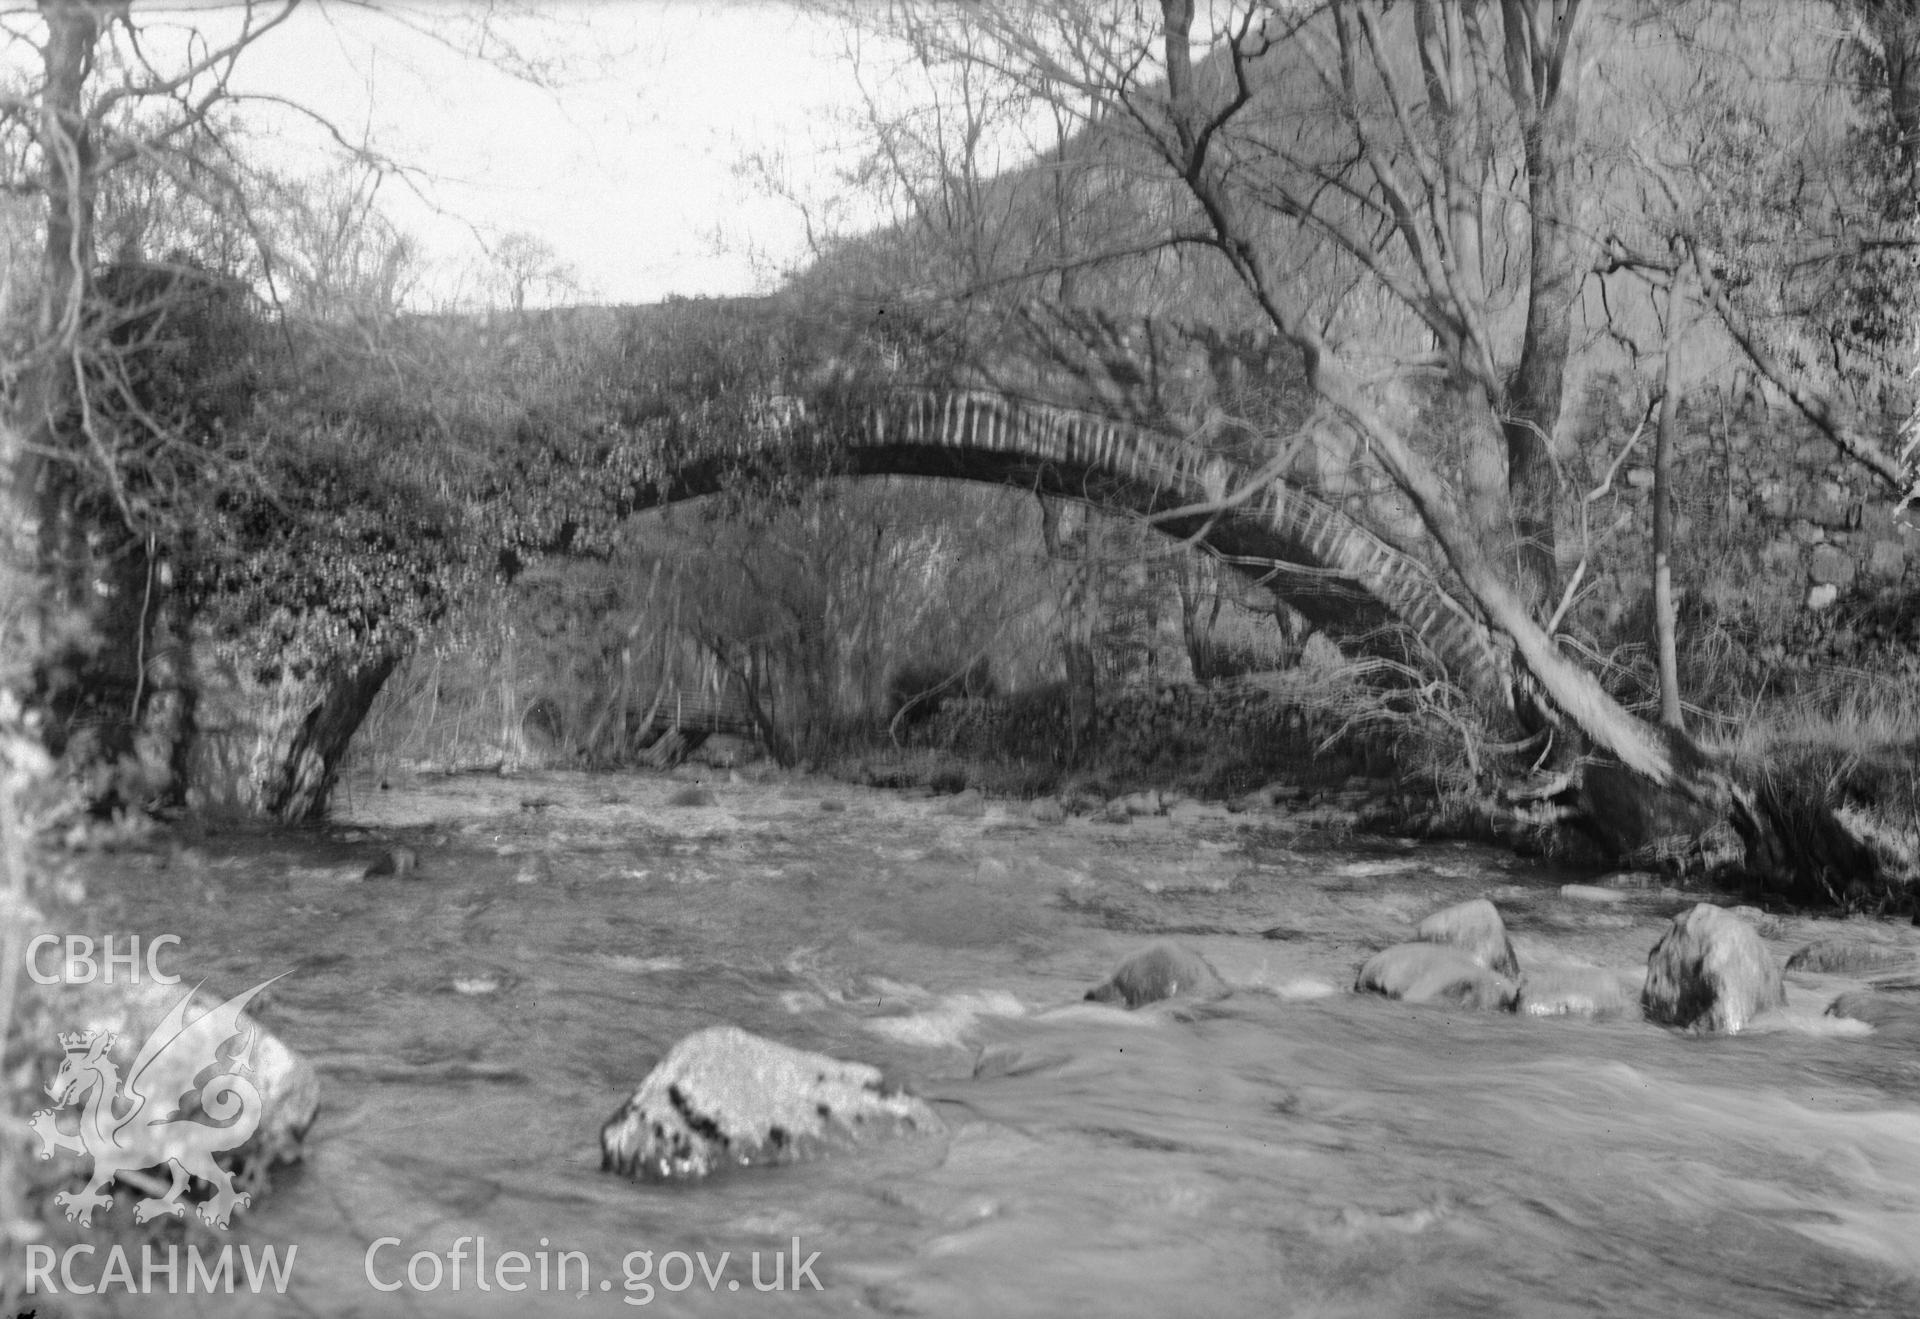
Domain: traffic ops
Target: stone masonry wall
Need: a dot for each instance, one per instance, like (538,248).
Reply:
(1771,519)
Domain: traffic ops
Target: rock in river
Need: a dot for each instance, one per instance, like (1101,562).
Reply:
(1710,972)
(1849,957)
(1573,991)
(1163,971)
(1475,928)
(723,1097)
(1895,1014)
(1435,973)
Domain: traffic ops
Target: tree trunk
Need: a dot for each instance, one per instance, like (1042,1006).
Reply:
(66,146)
(1081,609)
(298,789)
(1547,102)
(272,748)
(1666,644)
(1200,601)
(166,710)
(1083,709)
(1295,632)
(1067,532)
(41,408)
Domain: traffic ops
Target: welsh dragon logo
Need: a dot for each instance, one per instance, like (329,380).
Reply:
(150,1131)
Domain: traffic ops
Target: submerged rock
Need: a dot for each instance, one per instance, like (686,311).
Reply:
(1895,1014)
(1163,971)
(172,1075)
(722,1097)
(1573,991)
(1475,928)
(1846,957)
(1710,972)
(1435,973)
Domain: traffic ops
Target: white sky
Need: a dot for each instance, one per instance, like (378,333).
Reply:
(631,170)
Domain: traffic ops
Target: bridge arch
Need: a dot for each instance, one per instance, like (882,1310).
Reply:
(1345,579)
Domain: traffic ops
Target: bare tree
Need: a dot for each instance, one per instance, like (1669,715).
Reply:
(525,263)
(326,250)
(1401,145)
(1795,203)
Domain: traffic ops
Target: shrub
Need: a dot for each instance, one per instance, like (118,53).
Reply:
(918,688)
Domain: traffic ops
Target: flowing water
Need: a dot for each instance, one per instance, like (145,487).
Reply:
(1295,1149)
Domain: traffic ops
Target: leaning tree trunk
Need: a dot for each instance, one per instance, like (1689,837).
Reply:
(1560,686)
(273,747)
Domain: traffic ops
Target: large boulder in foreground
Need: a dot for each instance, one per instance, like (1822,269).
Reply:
(722,1097)
(1163,971)
(1710,972)
(1475,928)
(172,1078)
(1435,973)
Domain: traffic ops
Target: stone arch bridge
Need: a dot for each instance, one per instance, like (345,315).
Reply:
(1086,439)
(1344,578)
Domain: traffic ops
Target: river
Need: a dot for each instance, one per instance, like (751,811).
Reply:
(1294,1149)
